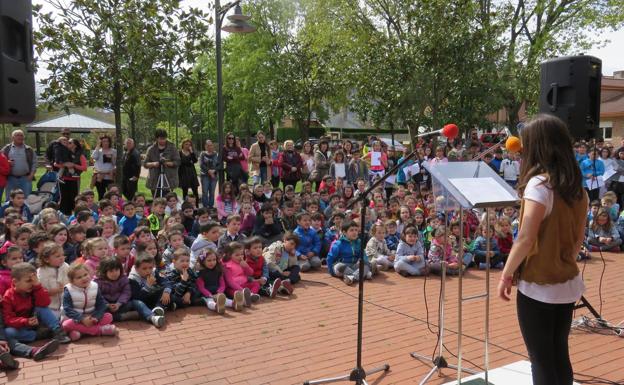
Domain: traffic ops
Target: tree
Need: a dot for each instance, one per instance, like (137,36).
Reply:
(539,29)
(115,53)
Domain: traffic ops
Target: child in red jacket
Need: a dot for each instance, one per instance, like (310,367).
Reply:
(25,307)
(504,237)
(255,260)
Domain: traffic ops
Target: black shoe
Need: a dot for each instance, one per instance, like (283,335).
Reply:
(61,336)
(42,352)
(8,361)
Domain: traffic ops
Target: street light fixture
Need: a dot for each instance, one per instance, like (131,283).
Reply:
(237,23)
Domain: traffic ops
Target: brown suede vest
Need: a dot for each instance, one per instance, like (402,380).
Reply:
(552,259)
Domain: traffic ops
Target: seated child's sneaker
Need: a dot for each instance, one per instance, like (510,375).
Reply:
(255,297)
(247,295)
(500,265)
(275,287)
(61,336)
(239,300)
(369,275)
(482,266)
(42,352)
(287,287)
(157,320)
(108,330)
(75,335)
(220,303)
(158,311)
(348,280)
(7,361)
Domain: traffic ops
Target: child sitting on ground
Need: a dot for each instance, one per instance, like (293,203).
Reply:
(309,243)
(25,307)
(208,237)
(84,308)
(377,250)
(7,362)
(504,237)
(480,249)
(11,257)
(149,287)
(183,281)
(232,232)
(410,259)
(344,256)
(281,257)
(392,236)
(52,274)
(602,233)
(115,288)
(441,251)
(95,250)
(211,284)
(236,272)
(255,260)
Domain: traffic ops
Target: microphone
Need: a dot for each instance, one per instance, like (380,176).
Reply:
(513,144)
(449,131)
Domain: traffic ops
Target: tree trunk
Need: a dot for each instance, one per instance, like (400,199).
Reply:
(132,117)
(271,129)
(118,134)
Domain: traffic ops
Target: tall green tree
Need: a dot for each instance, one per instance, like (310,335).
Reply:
(115,53)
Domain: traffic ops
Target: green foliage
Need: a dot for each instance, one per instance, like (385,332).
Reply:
(117,54)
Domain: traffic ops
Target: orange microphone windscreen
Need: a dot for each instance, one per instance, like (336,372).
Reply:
(450,131)
(513,144)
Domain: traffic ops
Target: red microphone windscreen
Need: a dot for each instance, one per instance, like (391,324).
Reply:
(450,131)
(513,144)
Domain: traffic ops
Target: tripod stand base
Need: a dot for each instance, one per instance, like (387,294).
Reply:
(358,375)
(438,364)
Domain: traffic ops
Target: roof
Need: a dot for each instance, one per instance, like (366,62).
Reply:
(345,119)
(75,122)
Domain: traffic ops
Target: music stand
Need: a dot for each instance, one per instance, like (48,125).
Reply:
(358,374)
(460,186)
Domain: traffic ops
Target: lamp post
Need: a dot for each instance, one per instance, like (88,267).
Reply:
(237,23)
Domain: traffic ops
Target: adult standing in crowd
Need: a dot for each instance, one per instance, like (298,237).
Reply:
(72,161)
(322,163)
(131,170)
(260,159)
(49,154)
(232,155)
(105,157)
(244,162)
(208,162)
(307,156)
(552,229)
(23,161)
(165,152)
(187,172)
(291,164)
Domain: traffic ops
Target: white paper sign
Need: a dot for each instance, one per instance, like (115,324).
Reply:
(310,164)
(375,158)
(339,169)
(594,183)
(609,172)
(391,179)
(412,170)
(482,190)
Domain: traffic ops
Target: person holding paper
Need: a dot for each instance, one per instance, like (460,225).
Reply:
(338,167)
(406,172)
(543,257)
(592,170)
(378,161)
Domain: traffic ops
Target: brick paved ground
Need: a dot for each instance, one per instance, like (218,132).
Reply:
(286,341)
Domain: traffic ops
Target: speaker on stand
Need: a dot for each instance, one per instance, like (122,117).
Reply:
(17,76)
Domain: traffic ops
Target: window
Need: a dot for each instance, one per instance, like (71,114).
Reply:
(607,129)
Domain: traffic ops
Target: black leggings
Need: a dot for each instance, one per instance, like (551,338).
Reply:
(545,328)
(69,191)
(195,193)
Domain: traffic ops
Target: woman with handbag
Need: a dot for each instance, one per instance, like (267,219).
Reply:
(187,174)
(105,158)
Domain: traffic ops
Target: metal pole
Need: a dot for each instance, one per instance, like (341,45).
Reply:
(487,297)
(460,296)
(175,111)
(219,90)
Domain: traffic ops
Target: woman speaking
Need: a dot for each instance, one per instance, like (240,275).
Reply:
(543,258)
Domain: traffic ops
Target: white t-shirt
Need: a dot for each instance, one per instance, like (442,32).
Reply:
(566,292)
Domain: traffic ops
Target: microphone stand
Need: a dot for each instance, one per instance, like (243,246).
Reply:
(358,374)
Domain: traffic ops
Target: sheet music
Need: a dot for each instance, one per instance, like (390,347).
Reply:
(482,190)
(412,170)
(375,158)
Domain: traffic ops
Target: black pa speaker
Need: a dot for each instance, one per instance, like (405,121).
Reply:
(570,90)
(17,76)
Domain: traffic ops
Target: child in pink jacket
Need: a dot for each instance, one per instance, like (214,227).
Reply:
(236,273)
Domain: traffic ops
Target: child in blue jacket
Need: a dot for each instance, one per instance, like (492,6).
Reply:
(309,243)
(480,249)
(344,256)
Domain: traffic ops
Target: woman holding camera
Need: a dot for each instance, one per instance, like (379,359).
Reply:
(105,158)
